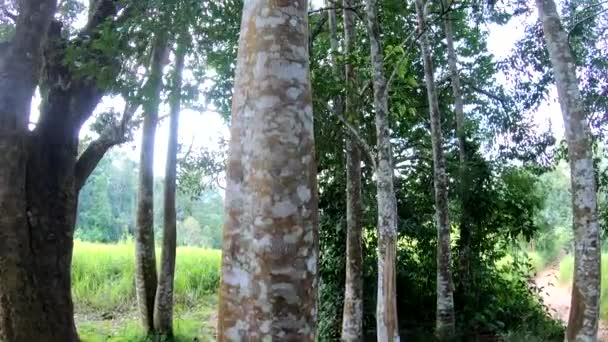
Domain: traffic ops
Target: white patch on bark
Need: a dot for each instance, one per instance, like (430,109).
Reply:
(284,209)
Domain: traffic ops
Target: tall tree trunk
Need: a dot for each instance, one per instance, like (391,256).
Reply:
(352,317)
(40,177)
(163,309)
(269,263)
(386,310)
(29,264)
(584,309)
(145,256)
(445,325)
(464,262)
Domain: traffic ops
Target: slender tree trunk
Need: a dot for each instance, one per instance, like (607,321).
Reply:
(352,317)
(387,328)
(163,310)
(445,325)
(464,262)
(584,309)
(145,256)
(269,263)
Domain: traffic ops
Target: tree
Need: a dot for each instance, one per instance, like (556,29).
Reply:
(386,309)
(584,308)
(352,316)
(464,262)
(22,309)
(145,256)
(445,326)
(269,262)
(163,304)
(73,78)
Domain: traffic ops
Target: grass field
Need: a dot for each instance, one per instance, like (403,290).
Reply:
(104,292)
(566,268)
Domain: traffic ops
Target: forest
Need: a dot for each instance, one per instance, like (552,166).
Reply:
(303,170)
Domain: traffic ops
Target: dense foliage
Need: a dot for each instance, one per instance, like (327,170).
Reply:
(106,209)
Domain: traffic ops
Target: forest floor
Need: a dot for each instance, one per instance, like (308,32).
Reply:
(557,296)
(125,326)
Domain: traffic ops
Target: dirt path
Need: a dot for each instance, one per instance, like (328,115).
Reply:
(557,297)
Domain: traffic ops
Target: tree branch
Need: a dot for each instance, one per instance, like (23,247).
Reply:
(352,131)
(113,135)
(586,18)
(354,9)
(9,15)
(406,43)
(317,30)
(503,101)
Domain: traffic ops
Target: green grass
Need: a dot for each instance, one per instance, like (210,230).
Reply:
(194,325)
(103,276)
(566,268)
(103,285)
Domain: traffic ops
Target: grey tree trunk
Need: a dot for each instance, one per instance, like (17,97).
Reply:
(464,262)
(269,262)
(145,254)
(352,317)
(163,305)
(584,308)
(445,325)
(386,308)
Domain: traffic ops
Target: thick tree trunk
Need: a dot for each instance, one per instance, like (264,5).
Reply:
(464,262)
(584,309)
(386,310)
(269,263)
(352,317)
(35,302)
(38,192)
(445,325)
(163,310)
(145,254)
(52,201)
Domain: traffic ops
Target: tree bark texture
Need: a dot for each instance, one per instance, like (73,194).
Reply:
(35,298)
(386,310)
(163,305)
(584,308)
(145,254)
(270,251)
(352,317)
(445,325)
(464,262)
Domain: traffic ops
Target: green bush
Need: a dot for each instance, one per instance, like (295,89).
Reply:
(103,275)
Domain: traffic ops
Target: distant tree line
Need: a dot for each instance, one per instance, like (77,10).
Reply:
(107,203)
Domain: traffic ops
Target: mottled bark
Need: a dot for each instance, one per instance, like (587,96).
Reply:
(584,309)
(464,261)
(386,308)
(445,325)
(352,317)
(269,263)
(163,309)
(145,254)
